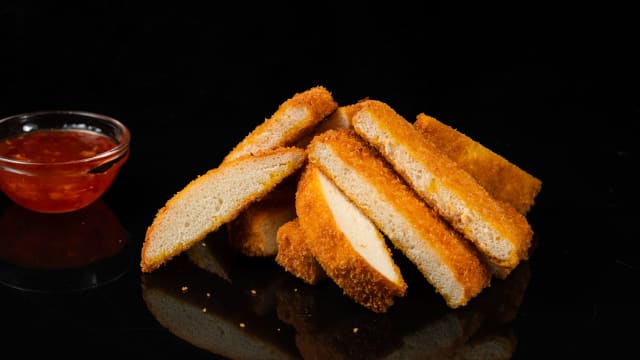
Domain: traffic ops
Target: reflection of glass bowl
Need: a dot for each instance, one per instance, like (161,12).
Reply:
(60,161)
(69,251)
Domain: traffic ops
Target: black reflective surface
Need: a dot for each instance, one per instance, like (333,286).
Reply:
(552,88)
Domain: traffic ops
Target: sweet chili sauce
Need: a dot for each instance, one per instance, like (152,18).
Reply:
(48,176)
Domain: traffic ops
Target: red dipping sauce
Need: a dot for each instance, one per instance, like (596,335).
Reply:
(57,170)
(52,146)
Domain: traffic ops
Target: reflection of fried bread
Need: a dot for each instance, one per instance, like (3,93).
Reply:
(501,233)
(213,199)
(435,193)
(346,243)
(295,118)
(210,314)
(498,345)
(253,232)
(435,339)
(502,301)
(294,254)
(214,255)
(481,330)
(450,263)
(501,178)
(326,327)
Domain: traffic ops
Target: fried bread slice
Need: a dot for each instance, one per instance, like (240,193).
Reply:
(500,177)
(294,254)
(212,314)
(294,118)
(501,233)
(346,243)
(449,262)
(253,232)
(214,255)
(213,199)
(340,118)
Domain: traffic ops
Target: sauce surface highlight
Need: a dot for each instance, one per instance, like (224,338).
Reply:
(50,146)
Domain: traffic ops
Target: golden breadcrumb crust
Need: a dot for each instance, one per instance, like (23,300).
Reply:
(161,241)
(295,256)
(500,216)
(274,205)
(340,118)
(279,130)
(329,245)
(501,178)
(461,257)
(253,232)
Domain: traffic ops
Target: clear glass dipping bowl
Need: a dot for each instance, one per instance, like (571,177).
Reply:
(65,184)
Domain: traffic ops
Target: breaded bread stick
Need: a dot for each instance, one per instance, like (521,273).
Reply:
(449,262)
(340,118)
(501,178)
(501,233)
(253,232)
(346,243)
(214,199)
(294,254)
(295,118)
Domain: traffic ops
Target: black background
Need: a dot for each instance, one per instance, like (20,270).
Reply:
(551,87)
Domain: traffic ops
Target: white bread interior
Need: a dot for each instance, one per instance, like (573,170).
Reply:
(496,228)
(295,118)
(218,329)
(340,118)
(451,264)
(254,231)
(346,243)
(435,193)
(501,178)
(214,199)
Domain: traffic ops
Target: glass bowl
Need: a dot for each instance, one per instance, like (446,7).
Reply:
(61,160)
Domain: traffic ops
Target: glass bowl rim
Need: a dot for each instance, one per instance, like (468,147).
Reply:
(117,151)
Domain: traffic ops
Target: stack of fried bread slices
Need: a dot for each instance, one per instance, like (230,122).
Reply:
(332,191)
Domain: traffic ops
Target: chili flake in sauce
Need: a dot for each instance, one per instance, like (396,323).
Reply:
(50,146)
(48,179)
